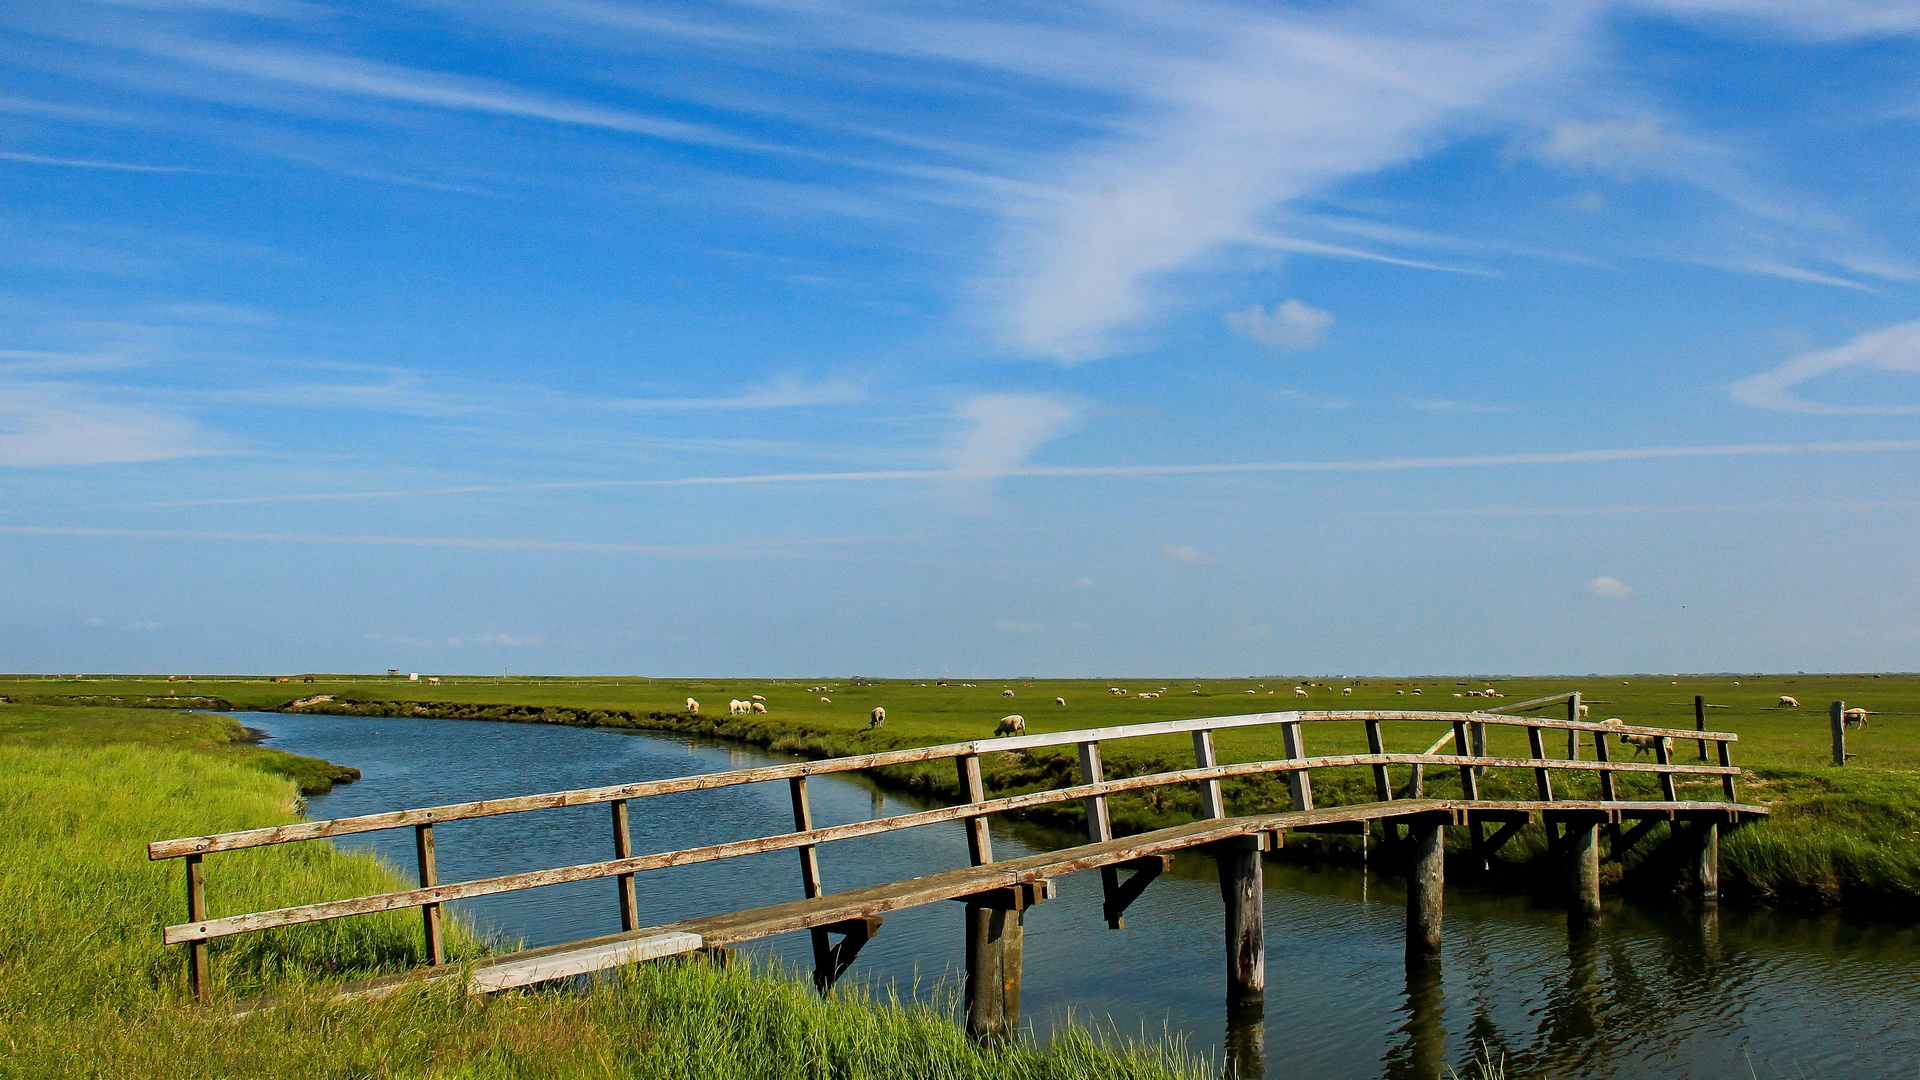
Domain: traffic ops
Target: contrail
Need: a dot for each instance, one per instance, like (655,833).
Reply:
(1566,457)
(748,547)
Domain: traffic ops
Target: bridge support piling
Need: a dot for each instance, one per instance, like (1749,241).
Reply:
(1582,844)
(1426,881)
(1242,889)
(1706,861)
(996,935)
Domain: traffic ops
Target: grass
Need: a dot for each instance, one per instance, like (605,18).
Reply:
(1838,836)
(87,990)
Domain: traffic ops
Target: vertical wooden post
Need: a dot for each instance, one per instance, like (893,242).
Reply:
(1663,755)
(1382,783)
(1606,775)
(1469,785)
(996,939)
(1837,716)
(1212,804)
(972,789)
(429,877)
(1727,784)
(1426,881)
(198,976)
(823,963)
(1426,1045)
(1100,827)
(1706,861)
(1479,745)
(1298,782)
(1242,889)
(1573,736)
(1542,776)
(1700,721)
(1583,870)
(623,849)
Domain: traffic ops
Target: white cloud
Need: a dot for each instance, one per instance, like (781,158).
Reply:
(45,425)
(1623,147)
(1610,587)
(504,639)
(1443,406)
(1894,348)
(1000,431)
(783,392)
(1290,325)
(1185,553)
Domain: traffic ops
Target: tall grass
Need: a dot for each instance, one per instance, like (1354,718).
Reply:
(87,990)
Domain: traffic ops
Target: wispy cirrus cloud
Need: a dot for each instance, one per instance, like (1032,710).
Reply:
(1890,349)
(43,425)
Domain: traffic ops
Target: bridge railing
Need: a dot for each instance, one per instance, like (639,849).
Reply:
(1469,757)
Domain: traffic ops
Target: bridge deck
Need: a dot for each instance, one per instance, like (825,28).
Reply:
(594,954)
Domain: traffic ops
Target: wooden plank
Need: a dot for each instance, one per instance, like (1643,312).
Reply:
(313,830)
(1533,703)
(507,972)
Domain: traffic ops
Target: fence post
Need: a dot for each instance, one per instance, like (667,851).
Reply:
(1382,783)
(1242,890)
(1606,775)
(1837,715)
(1100,828)
(823,963)
(1542,776)
(1426,881)
(429,877)
(1212,804)
(623,849)
(1663,755)
(197,973)
(1700,721)
(973,789)
(1727,779)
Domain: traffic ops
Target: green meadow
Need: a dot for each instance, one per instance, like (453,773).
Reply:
(1838,836)
(87,989)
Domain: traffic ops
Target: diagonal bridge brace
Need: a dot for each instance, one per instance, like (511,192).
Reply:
(830,961)
(1120,894)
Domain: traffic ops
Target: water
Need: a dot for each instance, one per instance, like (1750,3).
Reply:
(1655,993)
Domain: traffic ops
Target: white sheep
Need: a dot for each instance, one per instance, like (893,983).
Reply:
(1416,691)
(1012,725)
(878,717)
(1059,701)
(757,697)
(1299,691)
(693,707)
(1006,693)
(735,706)
(826,701)
(757,706)
(1788,703)
(432,680)
(1346,691)
(1854,716)
(1584,709)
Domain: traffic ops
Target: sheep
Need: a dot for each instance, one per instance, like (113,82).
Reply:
(1584,709)
(1644,743)
(1788,703)
(1060,701)
(1012,725)
(878,717)
(1006,693)
(1416,691)
(1346,691)
(1854,716)
(1250,691)
(1116,690)
(1399,693)
(826,701)
(757,706)
(735,706)
(693,707)
(1299,691)
(432,680)
(757,697)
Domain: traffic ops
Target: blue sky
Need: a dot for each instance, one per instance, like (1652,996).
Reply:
(925,339)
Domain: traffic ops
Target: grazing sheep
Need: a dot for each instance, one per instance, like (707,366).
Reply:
(1644,743)
(1346,691)
(432,680)
(735,706)
(1116,690)
(1416,691)
(1059,701)
(693,707)
(757,697)
(757,706)
(1250,691)
(1299,691)
(1854,716)
(1584,709)
(1012,725)
(879,717)
(1788,703)
(1006,693)
(826,701)
(1399,693)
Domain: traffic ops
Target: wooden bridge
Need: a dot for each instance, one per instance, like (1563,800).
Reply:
(996,893)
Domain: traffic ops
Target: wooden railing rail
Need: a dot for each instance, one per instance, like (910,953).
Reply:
(1469,757)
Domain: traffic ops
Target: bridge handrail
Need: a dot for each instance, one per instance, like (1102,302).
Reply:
(315,830)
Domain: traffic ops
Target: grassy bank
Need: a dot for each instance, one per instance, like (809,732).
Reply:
(86,988)
(1838,836)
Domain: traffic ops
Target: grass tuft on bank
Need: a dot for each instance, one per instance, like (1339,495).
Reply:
(87,990)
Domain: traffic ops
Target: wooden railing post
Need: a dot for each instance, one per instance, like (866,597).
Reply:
(1573,735)
(1663,755)
(1700,721)
(1606,775)
(973,789)
(429,876)
(1469,786)
(1542,776)
(1479,745)
(1837,716)
(1426,882)
(197,973)
(1298,783)
(1382,783)
(623,849)
(823,959)
(1099,829)
(1212,804)
(1727,784)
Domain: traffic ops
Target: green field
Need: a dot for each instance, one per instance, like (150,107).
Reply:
(87,990)
(1838,836)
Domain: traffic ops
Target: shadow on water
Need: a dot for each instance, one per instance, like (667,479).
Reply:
(1678,992)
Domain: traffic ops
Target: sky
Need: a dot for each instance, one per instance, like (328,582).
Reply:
(830,337)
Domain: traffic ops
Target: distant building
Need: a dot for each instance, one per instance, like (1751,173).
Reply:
(413,676)
(393,671)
